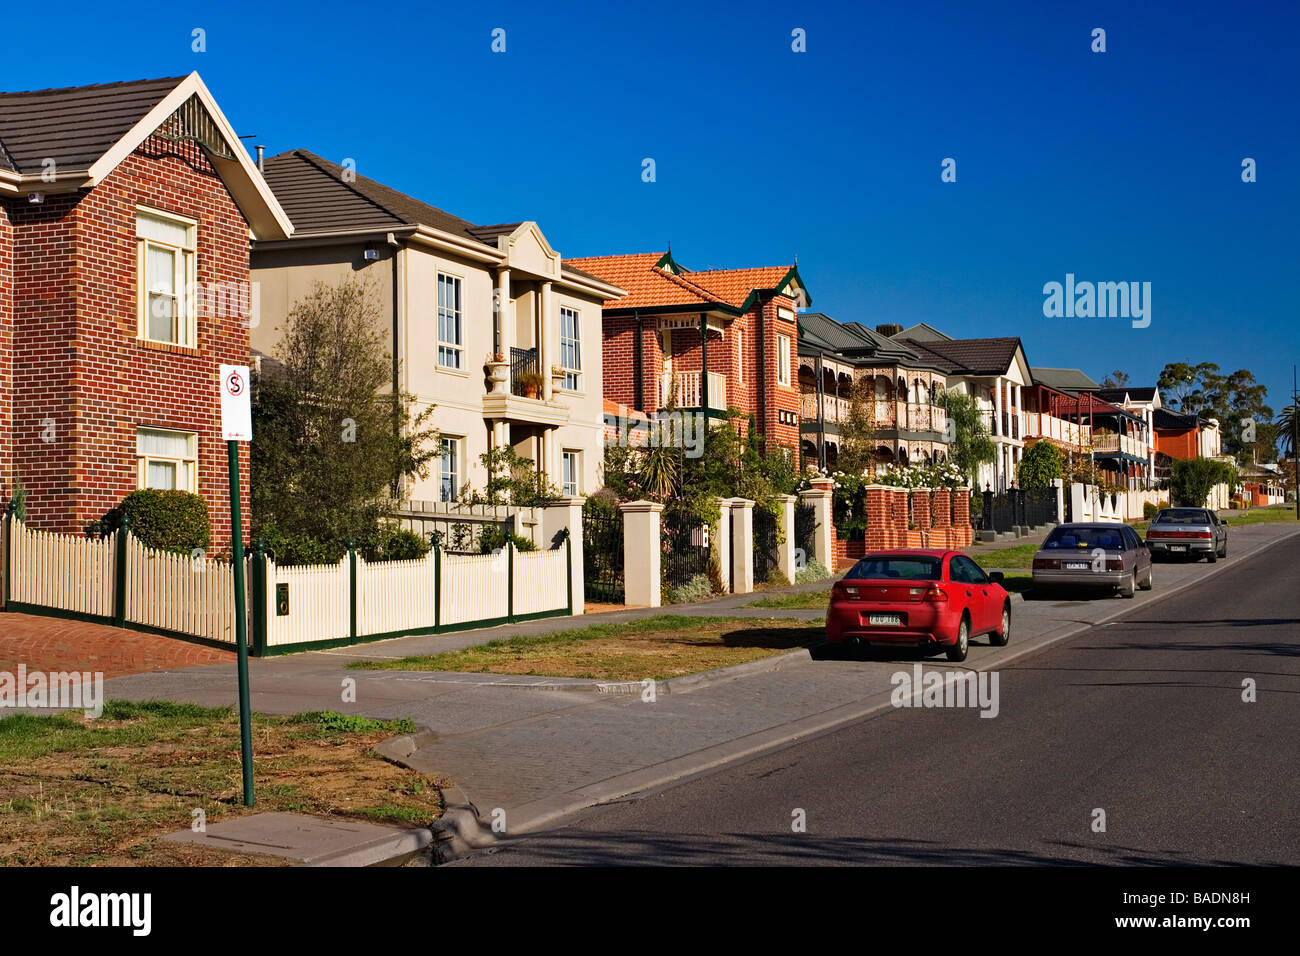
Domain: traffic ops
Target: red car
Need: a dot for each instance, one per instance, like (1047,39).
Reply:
(913,597)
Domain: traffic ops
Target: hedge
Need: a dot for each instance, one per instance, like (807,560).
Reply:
(168,520)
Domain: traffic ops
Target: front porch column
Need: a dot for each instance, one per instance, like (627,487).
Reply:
(1017,431)
(503,315)
(997,407)
(742,551)
(546,330)
(642,574)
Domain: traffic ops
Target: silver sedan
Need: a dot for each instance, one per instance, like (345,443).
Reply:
(1106,555)
(1188,532)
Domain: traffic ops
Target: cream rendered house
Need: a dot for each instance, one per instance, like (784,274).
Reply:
(470,310)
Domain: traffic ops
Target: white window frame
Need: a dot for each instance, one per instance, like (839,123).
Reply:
(450,447)
(782,359)
(571,488)
(450,350)
(183,279)
(186,466)
(572,373)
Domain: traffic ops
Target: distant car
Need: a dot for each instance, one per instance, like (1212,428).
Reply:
(1194,532)
(912,597)
(1095,555)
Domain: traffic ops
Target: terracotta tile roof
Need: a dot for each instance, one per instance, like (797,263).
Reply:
(735,285)
(647,287)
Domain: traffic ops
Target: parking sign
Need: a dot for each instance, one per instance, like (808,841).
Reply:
(236,408)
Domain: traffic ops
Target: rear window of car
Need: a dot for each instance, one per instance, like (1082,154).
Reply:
(1073,539)
(904,567)
(1182,516)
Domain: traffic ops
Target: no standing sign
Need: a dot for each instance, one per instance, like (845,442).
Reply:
(236,409)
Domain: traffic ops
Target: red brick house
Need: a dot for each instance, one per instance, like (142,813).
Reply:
(125,216)
(673,323)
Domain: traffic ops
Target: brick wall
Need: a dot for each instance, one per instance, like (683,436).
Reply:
(79,361)
(6,353)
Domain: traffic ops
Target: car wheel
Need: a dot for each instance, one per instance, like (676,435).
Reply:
(1000,637)
(1129,587)
(1223,552)
(1147,583)
(1212,557)
(958,651)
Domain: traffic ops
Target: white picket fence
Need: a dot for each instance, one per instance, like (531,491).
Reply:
(303,605)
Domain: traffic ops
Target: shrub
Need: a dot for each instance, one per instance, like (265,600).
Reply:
(18,499)
(696,589)
(1039,466)
(776,579)
(391,543)
(812,571)
(494,536)
(1149,511)
(168,520)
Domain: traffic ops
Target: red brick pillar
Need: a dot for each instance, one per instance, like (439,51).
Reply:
(921,516)
(880,517)
(900,517)
(961,518)
(942,518)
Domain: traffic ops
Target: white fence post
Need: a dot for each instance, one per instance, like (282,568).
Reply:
(566,515)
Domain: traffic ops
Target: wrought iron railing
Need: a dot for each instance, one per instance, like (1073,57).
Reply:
(522,361)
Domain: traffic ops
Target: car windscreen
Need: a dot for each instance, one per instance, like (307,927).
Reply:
(1076,539)
(905,567)
(1182,516)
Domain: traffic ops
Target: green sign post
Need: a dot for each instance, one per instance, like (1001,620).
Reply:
(237,426)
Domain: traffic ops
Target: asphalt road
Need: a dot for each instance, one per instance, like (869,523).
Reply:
(1142,718)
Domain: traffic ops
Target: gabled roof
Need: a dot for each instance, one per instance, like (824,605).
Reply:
(1127,393)
(921,332)
(74,125)
(740,286)
(1063,379)
(971,356)
(319,199)
(87,131)
(852,341)
(647,285)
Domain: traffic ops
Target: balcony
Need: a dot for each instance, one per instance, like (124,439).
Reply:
(1109,443)
(516,404)
(688,389)
(835,410)
(522,362)
(1060,430)
(909,416)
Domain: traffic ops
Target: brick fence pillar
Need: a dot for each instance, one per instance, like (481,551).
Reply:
(820,496)
(941,517)
(880,517)
(742,551)
(722,543)
(921,515)
(962,531)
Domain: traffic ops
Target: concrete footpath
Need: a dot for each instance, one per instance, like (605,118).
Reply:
(525,752)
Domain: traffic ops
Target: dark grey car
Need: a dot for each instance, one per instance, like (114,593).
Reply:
(1188,532)
(1093,555)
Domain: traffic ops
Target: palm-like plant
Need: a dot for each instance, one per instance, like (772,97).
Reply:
(1286,426)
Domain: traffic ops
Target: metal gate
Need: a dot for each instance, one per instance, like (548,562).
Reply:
(765,544)
(602,556)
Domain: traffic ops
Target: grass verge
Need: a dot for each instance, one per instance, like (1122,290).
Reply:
(807,601)
(76,791)
(1257,515)
(659,647)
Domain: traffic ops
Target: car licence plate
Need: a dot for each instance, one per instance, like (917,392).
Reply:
(1178,547)
(1076,565)
(891,619)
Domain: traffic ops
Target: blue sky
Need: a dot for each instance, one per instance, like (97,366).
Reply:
(1115,166)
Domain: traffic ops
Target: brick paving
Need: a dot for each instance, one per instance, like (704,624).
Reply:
(54,644)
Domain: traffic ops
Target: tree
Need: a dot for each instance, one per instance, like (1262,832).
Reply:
(1040,465)
(970,444)
(1232,399)
(1116,379)
(332,440)
(857,451)
(1286,430)
(1193,478)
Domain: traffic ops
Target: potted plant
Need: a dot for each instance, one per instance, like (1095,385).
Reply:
(498,370)
(530,383)
(557,374)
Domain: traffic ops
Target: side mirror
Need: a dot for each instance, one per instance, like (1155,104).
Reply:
(995,577)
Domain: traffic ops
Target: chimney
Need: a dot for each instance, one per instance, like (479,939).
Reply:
(889,329)
(261,151)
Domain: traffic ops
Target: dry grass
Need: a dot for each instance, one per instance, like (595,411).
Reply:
(656,647)
(79,791)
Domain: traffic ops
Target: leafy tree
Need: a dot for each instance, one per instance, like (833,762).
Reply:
(857,431)
(971,444)
(513,479)
(1040,465)
(1116,379)
(1286,425)
(1193,478)
(1182,385)
(1202,390)
(332,440)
